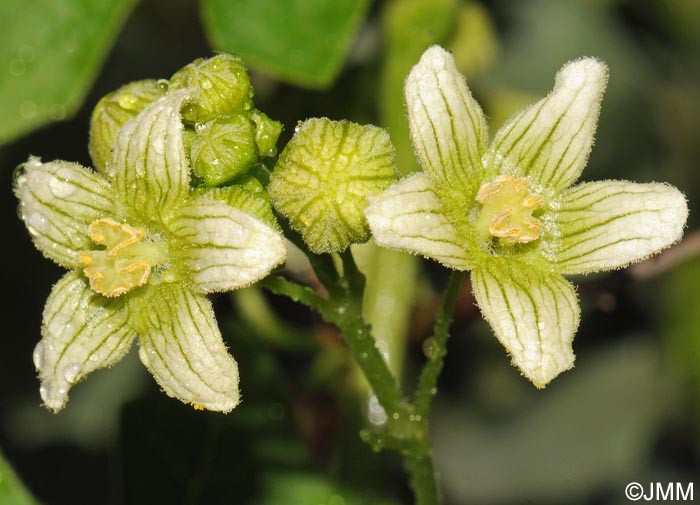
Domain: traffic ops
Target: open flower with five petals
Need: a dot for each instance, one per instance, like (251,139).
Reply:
(143,252)
(509,210)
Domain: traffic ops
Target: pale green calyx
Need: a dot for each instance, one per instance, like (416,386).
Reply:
(143,250)
(508,211)
(223,87)
(323,178)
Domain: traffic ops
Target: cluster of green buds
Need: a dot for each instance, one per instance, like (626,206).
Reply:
(226,137)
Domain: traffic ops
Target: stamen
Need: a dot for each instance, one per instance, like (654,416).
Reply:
(507,211)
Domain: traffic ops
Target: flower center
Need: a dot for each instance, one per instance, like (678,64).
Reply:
(507,209)
(125,262)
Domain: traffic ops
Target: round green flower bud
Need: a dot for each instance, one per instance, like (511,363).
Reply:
(267,131)
(115,109)
(223,83)
(224,149)
(323,178)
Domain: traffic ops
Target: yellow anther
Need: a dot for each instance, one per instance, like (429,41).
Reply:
(507,211)
(125,262)
(197,407)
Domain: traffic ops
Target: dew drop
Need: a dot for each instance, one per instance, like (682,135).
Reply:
(57,112)
(162,84)
(17,67)
(429,347)
(36,223)
(206,84)
(27,109)
(44,393)
(158,145)
(215,161)
(70,372)
(38,355)
(128,101)
(19,175)
(60,188)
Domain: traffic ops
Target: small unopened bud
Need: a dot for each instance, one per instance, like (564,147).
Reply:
(267,131)
(223,84)
(115,109)
(224,149)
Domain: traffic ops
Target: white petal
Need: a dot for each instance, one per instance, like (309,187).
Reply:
(550,140)
(182,347)
(534,315)
(82,331)
(57,201)
(149,167)
(408,216)
(610,224)
(223,247)
(447,125)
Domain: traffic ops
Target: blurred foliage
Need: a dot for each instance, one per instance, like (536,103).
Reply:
(50,54)
(630,410)
(302,41)
(12,491)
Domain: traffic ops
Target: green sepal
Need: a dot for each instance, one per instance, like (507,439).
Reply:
(115,109)
(224,149)
(267,131)
(223,83)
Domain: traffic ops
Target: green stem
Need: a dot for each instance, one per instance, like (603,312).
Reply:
(419,467)
(435,347)
(407,424)
(344,309)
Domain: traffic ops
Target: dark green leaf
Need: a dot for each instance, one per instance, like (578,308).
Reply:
(50,52)
(300,41)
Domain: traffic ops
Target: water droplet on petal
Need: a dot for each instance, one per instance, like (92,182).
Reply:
(38,355)
(70,372)
(60,188)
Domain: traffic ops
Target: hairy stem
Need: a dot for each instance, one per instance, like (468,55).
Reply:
(407,424)
(435,347)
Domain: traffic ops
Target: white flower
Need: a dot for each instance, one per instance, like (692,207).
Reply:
(143,251)
(509,212)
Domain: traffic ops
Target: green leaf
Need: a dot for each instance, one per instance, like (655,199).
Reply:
(50,52)
(300,41)
(12,491)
